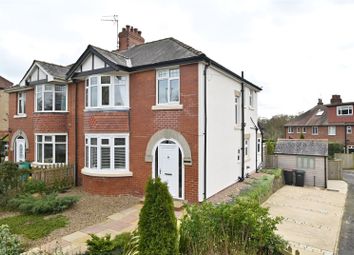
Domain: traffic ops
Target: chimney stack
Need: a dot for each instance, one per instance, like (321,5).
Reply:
(320,101)
(336,99)
(129,37)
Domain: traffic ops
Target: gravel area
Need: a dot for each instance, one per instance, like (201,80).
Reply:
(232,191)
(90,209)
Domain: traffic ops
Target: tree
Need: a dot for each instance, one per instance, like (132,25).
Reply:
(157,221)
(273,128)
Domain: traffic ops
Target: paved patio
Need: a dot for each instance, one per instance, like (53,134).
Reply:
(312,216)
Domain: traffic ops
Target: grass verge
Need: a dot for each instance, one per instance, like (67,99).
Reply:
(34,226)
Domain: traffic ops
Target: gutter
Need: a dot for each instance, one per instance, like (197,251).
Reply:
(242,178)
(205,129)
(345,138)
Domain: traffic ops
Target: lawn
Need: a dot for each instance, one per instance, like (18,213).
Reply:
(34,226)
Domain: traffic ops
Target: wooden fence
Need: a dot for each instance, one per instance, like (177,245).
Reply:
(335,169)
(52,174)
(347,160)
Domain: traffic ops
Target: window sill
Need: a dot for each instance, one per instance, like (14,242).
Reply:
(51,112)
(105,173)
(237,127)
(37,164)
(20,116)
(167,107)
(107,109)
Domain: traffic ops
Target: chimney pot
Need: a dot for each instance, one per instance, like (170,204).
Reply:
(129,37)
(320,102)
(336,99)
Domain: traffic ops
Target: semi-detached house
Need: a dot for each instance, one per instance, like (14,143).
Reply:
(144,110)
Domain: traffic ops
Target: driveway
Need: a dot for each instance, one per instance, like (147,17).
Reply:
(346,240)
(312,216)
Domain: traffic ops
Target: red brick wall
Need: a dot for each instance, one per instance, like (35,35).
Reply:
(333,118)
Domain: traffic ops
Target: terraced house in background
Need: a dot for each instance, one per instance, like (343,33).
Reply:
(333,121)
(144,110)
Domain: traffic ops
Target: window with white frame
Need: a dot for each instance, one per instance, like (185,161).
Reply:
(21,103)
(331,130)
(298,130)
(168,86)
(51,98)
(106,152)
(238,155)
(290,130)
(247,141)
(106,91)
(304,129)
(259,145)
(315,130)
(305,162)
(237,110)
(51,148)
(349,129)
(344,110)
(251,99)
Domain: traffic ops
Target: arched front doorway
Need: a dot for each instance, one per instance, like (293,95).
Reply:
(20,149)
(167,165)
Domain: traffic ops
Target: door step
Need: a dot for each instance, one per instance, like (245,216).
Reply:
(178,205)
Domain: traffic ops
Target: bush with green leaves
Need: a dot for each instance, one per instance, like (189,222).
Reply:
(157,222)
(9,243)
(270,147)
(34,186)
(259,190)
(243,227)
(277,172)
(107,246)
(42,204)
(10,181)
(334,148)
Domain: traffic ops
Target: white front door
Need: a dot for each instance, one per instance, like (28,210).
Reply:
(20,150)
(168,167)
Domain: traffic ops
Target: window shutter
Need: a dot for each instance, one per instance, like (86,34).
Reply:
(105,157)
(119,157)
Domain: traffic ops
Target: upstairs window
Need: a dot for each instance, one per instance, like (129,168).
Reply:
(251,99)
(332,130)
(106,92)
(247,141)
(168,86)
(290,130)
(51,98)
(237,110)
(21,103)
(344,110)
(315,130)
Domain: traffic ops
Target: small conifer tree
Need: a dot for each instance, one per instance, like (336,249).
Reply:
(157,221)
(302,136)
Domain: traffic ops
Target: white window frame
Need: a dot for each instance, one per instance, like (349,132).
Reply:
(290,130)
(169,79)
(304,129)
(53,94)
(349,129)
(53,143)
(332,128)
(246,148)
(251,99)
(237,109)
(111,171)
(21,103)
(298,130)
(315,130)
(342,108)
(112,86)
(259,145)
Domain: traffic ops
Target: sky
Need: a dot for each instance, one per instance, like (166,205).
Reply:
(296,50)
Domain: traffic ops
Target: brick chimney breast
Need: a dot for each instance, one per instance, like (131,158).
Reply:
(129,37)
(336,99)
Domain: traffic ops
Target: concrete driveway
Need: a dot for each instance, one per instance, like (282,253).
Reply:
(312,216)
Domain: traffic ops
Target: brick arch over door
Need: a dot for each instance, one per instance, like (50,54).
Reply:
(17,134)
(168,134)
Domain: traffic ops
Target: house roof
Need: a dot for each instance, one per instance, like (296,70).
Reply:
(164,51)
(55,70)
(304,147)
(4,83)
(316,116)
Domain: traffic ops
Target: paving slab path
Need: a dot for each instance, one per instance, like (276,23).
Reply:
(312,216)
(346,240)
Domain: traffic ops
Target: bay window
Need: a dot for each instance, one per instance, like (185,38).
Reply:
(107,152)
(106,92)
(51,148)
(168,89)
(51,98)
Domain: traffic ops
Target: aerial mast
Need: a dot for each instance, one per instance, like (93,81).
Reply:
(114,19)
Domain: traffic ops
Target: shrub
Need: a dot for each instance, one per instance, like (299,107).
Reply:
(107,246)
(302,136)
(34,186)
(10,181)
(43,204)
(270,145)
(334,148)
(259,190)
(9,243)
(157,222)
(243,227)
(277,172)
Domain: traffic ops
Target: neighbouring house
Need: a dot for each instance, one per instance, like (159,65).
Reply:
(305,154)
(4,108)
(157,109)
(334,121)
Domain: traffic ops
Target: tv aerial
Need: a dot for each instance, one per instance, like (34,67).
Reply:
(114,19)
